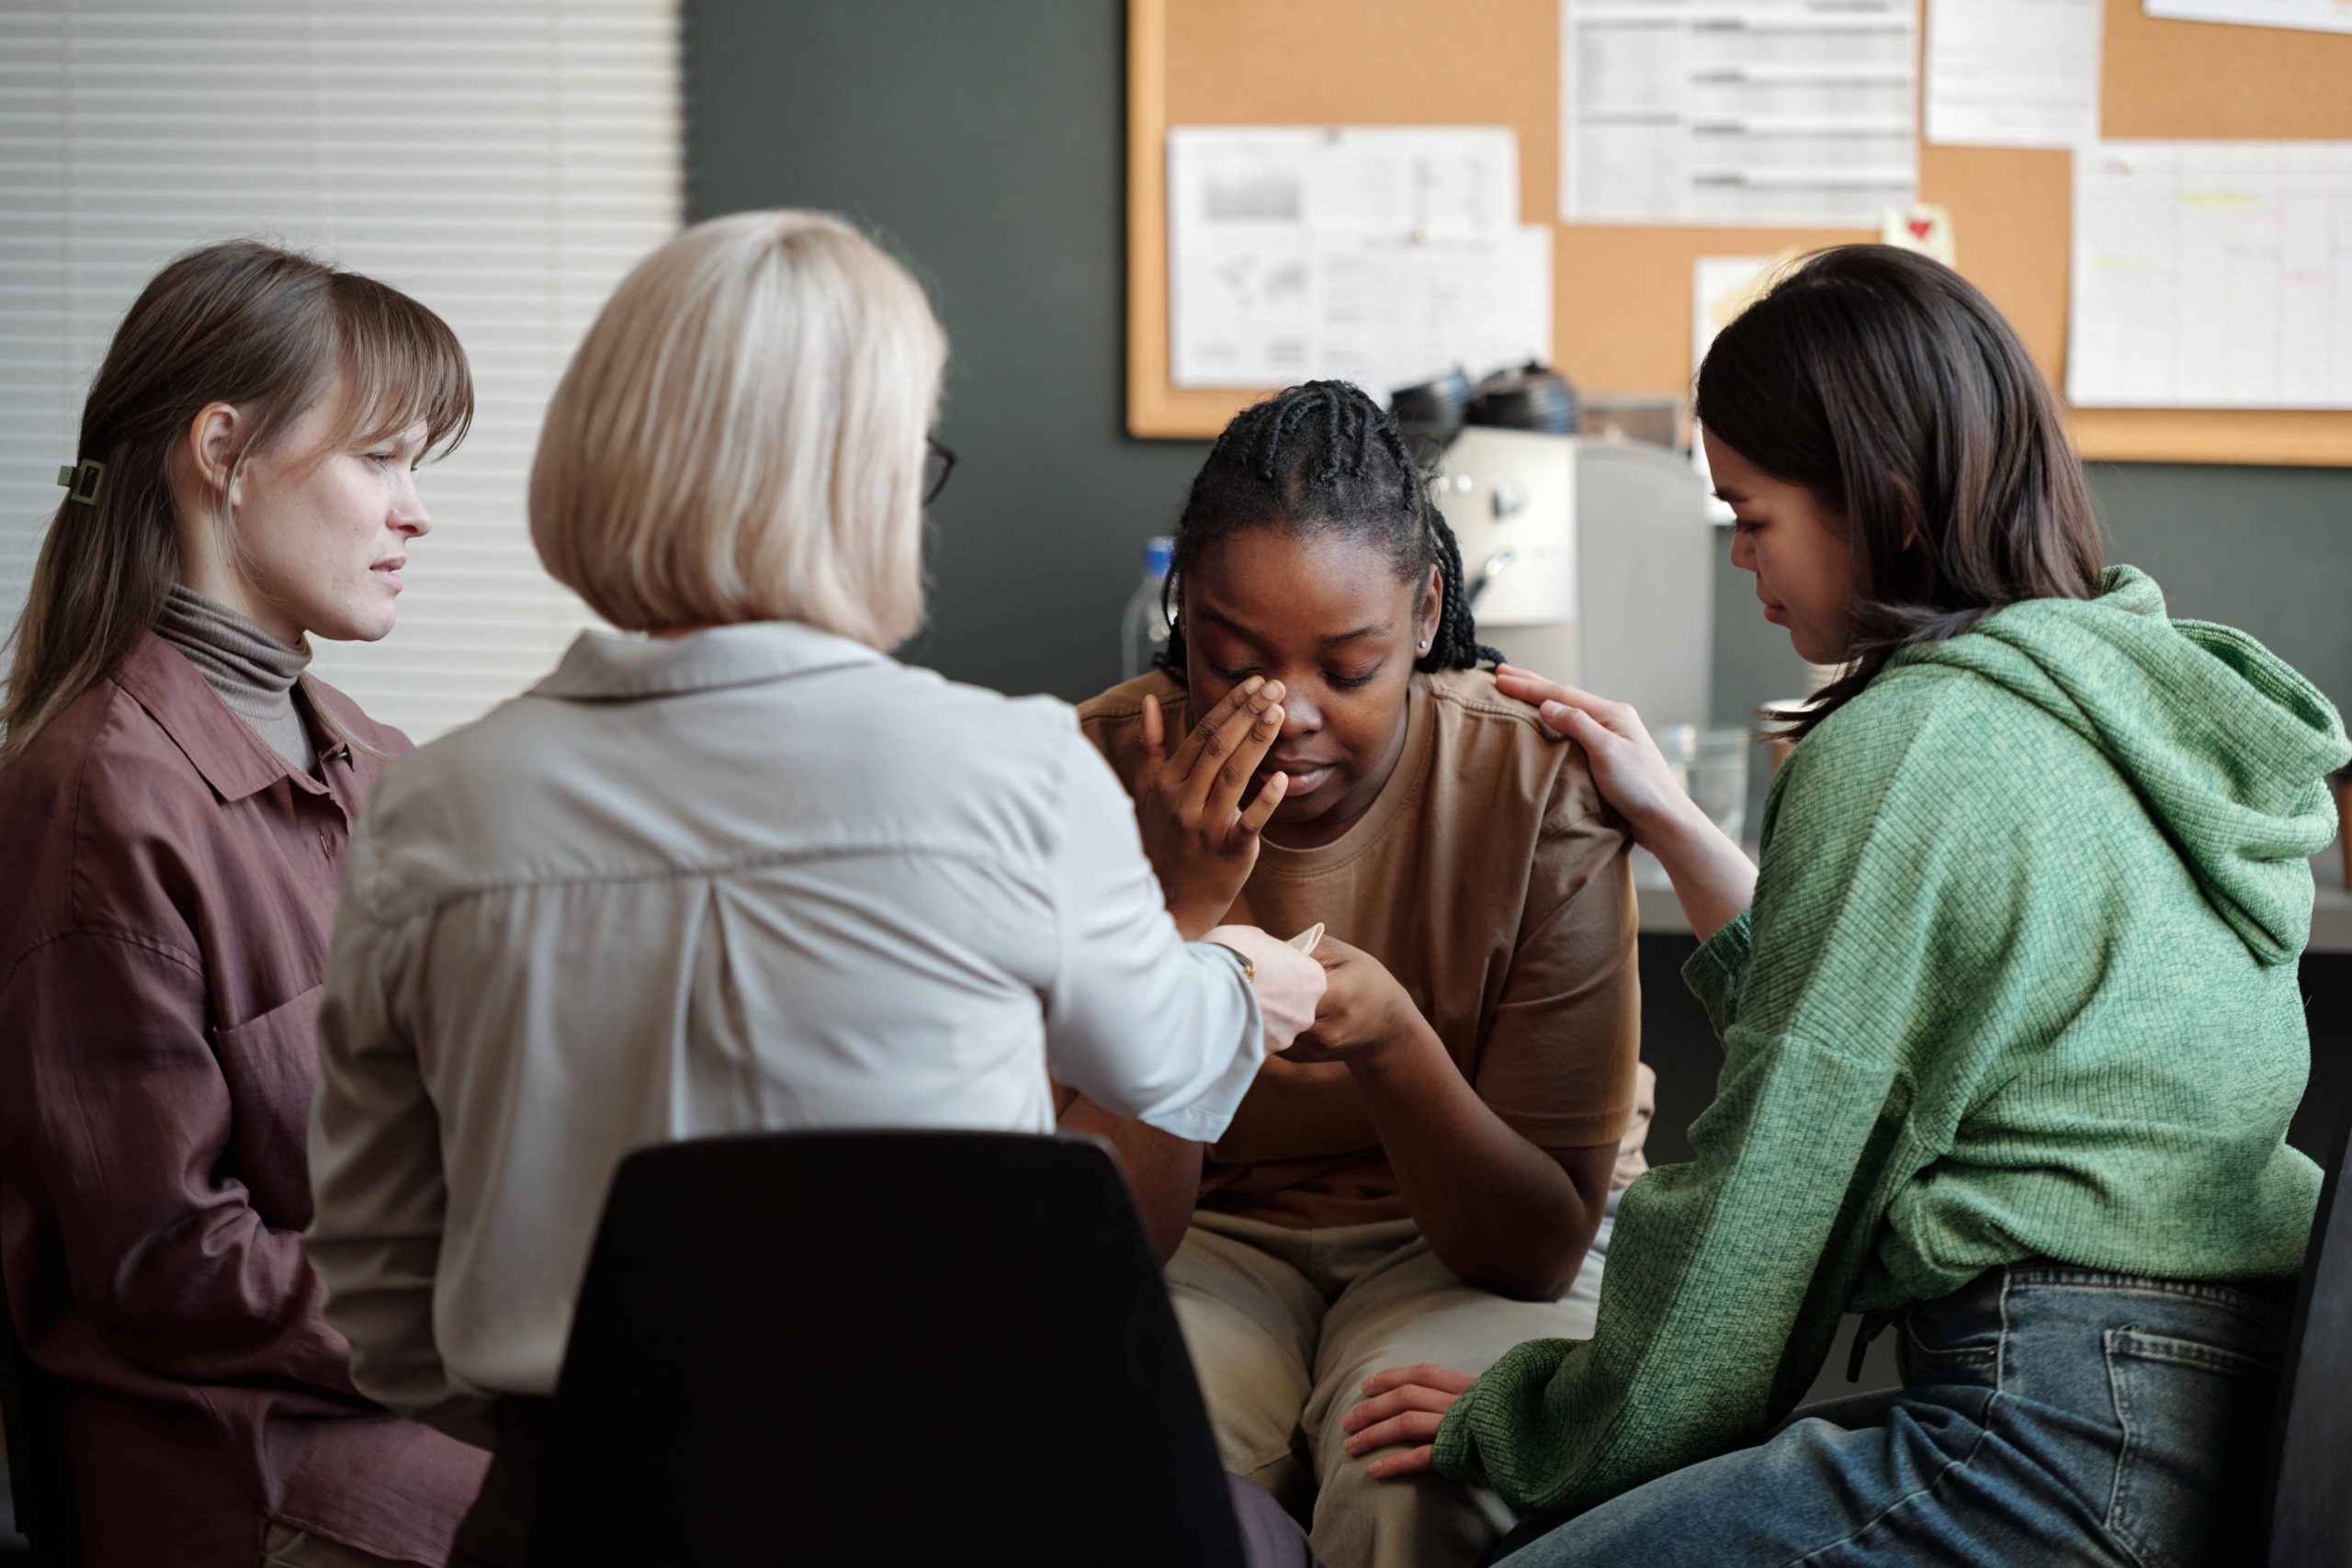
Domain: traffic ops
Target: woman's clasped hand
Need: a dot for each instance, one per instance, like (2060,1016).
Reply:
(1363,1011)
(1290,987)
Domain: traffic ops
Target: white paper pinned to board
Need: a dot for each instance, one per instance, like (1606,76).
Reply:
(1394,311)
(2314,16)
(2013,73)
(1788,113)
(1384,256)
(2212,274)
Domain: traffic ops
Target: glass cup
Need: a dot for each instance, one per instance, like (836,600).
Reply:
(1712,767)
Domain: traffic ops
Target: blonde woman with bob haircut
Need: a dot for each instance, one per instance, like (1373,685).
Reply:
(741,437)
(175,793)
(718,877)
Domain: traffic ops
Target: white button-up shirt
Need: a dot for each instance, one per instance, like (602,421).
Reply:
(758,877)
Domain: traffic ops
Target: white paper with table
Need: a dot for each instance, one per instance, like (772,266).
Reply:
(1773,112)
(2316,15)
(1384,256)
(2212,274)
(2013,73)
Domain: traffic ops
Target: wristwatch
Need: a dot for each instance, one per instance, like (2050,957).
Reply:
(1248,970)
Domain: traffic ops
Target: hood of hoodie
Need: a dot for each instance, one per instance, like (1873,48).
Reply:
(2228,747)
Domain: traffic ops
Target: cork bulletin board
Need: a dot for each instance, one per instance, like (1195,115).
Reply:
(1621,294)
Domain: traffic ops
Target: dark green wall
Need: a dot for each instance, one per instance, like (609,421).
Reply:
(986,141)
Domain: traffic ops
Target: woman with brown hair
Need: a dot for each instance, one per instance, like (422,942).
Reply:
(2008,1007)
(176,792)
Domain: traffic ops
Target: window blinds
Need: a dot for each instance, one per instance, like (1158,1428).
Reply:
(504,161)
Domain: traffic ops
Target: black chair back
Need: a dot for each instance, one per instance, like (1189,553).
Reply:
(840,1348)
(2310,1483)
(36,1438)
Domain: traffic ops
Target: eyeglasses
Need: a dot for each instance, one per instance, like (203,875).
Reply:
(937,464)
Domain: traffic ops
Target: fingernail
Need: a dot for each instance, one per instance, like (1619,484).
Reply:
(1272,717)
(1253,683)
(1273,691)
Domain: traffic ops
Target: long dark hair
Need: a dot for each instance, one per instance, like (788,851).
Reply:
(1888,386)
(1323,457)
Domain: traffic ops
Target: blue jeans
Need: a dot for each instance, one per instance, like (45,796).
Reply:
(2048,1415)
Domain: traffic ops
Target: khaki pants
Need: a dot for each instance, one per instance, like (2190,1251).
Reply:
(1283,1326)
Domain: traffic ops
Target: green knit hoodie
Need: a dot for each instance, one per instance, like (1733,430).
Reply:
(2019,981)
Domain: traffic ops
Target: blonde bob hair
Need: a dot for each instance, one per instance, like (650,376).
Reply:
(740,436)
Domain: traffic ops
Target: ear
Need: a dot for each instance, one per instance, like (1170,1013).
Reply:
(215,437)
(1908,538)
(1432,610)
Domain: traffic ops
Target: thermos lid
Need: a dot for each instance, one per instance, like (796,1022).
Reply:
(1433,410)
(1531,397)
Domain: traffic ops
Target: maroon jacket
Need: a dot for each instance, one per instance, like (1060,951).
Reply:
(167,889)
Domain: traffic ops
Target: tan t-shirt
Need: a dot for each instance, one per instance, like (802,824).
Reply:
(1494,885)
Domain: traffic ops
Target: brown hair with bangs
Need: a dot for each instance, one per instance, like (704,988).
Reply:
(242,322)
(1888,386)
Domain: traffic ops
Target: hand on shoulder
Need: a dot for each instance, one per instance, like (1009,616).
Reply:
(1627,767)
(1713,879)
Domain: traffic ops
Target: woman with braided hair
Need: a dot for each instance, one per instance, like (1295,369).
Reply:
(1425,1175)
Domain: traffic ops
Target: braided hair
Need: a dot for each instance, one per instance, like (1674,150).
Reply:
(1324,458)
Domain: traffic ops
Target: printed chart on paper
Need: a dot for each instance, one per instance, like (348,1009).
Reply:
(1379,254)
(1789,113)
(2212,274)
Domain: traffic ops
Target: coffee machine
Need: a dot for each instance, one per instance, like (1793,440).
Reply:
(1590,560)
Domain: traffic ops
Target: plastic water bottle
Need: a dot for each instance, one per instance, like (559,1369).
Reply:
(1144,627)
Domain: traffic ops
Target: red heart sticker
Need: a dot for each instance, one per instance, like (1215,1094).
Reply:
(1919,227)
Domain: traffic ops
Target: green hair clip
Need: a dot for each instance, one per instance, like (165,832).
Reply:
(82,480)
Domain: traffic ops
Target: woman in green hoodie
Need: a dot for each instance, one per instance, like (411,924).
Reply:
(2011,1035)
